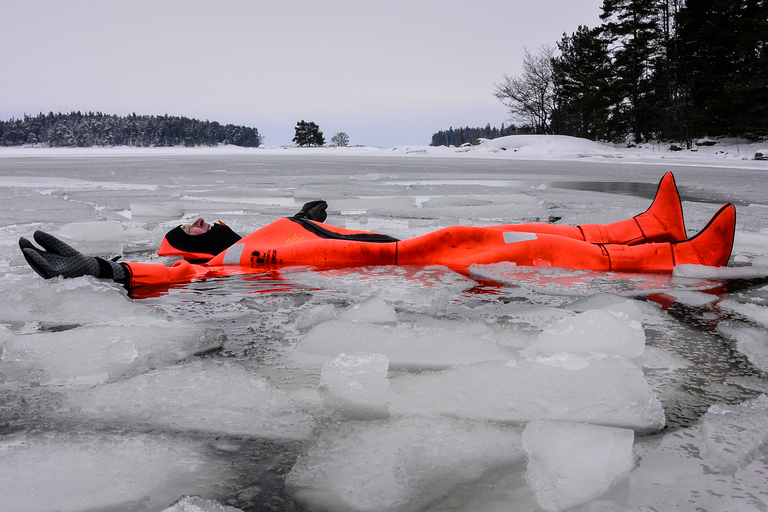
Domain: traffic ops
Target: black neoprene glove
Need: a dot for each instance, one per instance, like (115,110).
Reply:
(60,259)
(314,210)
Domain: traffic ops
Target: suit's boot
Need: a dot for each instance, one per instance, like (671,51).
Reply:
(711,247)
(662,222)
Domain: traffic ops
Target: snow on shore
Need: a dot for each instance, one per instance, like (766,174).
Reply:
(724,153)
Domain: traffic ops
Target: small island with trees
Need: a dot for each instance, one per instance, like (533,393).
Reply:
(97,129)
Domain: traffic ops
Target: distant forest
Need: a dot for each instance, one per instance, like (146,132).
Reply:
(96,129)
(663,70)
(458,136)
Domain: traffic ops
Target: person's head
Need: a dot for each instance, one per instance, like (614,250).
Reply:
(196,228)
(198,241)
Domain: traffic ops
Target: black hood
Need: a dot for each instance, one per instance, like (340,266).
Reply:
(217,239)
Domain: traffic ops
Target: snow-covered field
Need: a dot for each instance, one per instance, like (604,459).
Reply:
(382,389)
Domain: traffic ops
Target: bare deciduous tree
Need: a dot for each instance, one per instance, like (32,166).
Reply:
(530,96)
(340,139)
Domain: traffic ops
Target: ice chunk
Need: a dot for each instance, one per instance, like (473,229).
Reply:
(608,331)
(315,315)
(203,395)
(357,385)
(707,272)
(75,472)
(571,463)
(584,283)
(156,213)
(5,335)
(406,346)
(754,312)
(93,353)
(735,434)
(197,504)
(91,231)
(69,301)
(372,310)
(399,465)
(750,341)
(598,389)
(659,359)
(420,288)
(600,301)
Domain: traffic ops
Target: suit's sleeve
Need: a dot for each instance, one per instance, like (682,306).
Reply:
(154,274)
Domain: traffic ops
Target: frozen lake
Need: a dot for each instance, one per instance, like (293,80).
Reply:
(378,389)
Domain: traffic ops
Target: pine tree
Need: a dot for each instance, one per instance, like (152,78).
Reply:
(633,31)
(582,76)
(725,64)
(308,134)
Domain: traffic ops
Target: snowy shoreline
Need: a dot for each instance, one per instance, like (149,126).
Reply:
(727,153)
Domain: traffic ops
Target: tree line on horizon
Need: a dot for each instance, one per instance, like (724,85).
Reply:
(76,129)
(653,70)
(458,136)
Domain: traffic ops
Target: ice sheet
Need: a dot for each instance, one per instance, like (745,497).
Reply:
(407,346)
(203,395)
(750,341)
(617,330)
(734,435)
(372,310)
(196,504)
(426,289)
(356,385)
(76,472)
(599,389)
(571,463)
(401,464)
(92,354)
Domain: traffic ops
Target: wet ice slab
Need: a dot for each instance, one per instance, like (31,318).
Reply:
(356,385)
(197,504)
(95,353)
(750,341)
(599,389)
(571,463)
(570,282)
(616,330)
(401,464)
(426,289)
(406,345)
(734,435)
(205,395)
(75,472)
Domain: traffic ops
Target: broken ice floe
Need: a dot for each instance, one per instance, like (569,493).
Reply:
(399,465)
(357,385)
(406,346)
(603,390)
(571,463)
(91,471)
(735,434)
(201,396)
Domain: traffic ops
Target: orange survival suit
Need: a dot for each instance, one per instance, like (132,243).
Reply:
(654,241)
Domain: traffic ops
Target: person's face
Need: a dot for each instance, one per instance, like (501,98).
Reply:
(196,228)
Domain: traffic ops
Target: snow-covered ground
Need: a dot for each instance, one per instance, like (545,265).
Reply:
(382,389)
(711,152)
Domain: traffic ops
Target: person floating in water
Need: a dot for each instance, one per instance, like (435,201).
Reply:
(653,241)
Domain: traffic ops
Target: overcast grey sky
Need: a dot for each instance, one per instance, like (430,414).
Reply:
(388,73)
